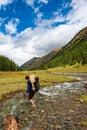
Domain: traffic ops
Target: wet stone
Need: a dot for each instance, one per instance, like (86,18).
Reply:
(55,108)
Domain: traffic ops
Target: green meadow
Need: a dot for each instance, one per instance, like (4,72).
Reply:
(14,81)
(74,68)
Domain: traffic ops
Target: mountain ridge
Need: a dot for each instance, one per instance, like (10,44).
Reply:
(39,61)
(71,53)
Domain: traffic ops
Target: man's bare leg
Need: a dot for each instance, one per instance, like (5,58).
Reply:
(32,102)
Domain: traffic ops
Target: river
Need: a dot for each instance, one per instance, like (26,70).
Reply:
(55,107)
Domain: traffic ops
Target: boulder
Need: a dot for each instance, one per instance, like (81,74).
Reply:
(11,123)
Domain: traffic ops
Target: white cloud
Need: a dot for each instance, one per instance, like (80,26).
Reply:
(43,1)
(48,23)
(11,26)
(5,2)
(40,40)
(4,39)
(37,42)
(6,45)
(78,13)
(29,2)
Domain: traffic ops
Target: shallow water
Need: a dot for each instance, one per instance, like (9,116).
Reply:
(62,88)
(17,105)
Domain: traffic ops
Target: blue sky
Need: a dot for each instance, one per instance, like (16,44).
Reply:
(32,28)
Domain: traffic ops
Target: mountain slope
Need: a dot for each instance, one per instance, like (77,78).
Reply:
(35,63)
(26,65)
(74,52)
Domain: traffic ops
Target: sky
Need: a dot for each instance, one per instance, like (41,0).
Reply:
(33,28)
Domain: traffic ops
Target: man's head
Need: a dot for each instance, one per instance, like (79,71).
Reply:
(27,77)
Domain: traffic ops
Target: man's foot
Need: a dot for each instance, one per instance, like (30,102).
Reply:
(34,105)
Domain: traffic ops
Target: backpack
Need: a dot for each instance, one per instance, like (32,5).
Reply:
(37,85)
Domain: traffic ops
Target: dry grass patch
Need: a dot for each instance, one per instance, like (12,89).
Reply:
(82,98)
(13,81)
(73,68)
(83,123)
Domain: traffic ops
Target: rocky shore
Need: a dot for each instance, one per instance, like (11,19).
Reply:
(56,108)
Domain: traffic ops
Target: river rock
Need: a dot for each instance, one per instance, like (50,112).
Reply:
(11,123)
(57,126)
(56,108)
(85,85)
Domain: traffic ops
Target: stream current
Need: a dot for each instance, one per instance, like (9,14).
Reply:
(17,105)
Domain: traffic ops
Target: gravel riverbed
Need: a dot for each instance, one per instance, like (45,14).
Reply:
(56,108)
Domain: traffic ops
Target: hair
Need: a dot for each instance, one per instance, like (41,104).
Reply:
(27,77)
(32,78)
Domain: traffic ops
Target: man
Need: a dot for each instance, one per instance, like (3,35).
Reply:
(30,89)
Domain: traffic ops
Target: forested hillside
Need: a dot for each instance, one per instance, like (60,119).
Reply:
(7,65)
(74,52)
(34,63)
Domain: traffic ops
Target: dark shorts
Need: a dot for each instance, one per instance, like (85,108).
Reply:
(31,95)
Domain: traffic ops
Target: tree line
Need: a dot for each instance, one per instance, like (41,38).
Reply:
(75,53)
(7,65)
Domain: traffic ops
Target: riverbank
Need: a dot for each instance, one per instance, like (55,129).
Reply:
(56,108)
(11,82)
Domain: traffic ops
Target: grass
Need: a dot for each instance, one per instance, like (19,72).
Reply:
(83,123)
(13,81)
(74,68)
(82,98)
